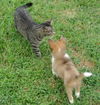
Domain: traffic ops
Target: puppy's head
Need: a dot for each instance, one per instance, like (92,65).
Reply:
(58,48)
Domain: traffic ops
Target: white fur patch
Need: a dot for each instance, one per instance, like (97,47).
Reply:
(66,55)
(53,59)
(87,74)
(77,94)
(71,101)
(53,72)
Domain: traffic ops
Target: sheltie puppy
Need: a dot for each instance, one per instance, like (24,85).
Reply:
(63,67)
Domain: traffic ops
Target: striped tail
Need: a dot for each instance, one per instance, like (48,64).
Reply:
(26,5)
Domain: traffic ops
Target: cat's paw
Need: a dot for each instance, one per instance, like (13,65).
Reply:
(38,55)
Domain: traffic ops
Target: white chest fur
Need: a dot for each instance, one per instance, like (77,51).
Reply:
(53,59)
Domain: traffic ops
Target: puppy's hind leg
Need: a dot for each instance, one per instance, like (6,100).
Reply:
(69,93)
(77,90)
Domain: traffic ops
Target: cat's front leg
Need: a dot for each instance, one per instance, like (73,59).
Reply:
(36,49)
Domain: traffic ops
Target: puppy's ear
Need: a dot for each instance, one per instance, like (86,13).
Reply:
(51,43)
(63,39)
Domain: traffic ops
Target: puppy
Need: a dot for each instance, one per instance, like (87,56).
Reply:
(63,67)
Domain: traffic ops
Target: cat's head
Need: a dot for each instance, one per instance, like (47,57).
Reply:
(47,29)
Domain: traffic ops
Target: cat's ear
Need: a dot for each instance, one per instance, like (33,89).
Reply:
(51,43)
(47,23)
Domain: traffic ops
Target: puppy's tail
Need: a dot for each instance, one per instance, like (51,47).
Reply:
(85,74)
(26,5)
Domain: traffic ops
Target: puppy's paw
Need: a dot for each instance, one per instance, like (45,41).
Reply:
(77,94)
(71,101)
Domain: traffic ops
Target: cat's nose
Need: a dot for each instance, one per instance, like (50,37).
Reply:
(53,32)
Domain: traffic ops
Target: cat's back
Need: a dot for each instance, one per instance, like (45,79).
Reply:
(23,20)
(22,17)
(21,11)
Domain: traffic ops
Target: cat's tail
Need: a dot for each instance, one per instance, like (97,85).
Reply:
(27,5)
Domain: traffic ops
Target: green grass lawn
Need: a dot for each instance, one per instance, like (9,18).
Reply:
(28,80)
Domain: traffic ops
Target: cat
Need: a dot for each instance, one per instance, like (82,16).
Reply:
(31,30)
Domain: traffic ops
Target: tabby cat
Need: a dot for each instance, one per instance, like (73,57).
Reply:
(31,30)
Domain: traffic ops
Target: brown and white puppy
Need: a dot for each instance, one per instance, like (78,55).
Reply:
(63,67)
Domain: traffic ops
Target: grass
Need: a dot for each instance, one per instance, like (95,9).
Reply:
(28,80)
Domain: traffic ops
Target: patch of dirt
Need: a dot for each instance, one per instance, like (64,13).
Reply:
(52,83)
(71,13)
(84,62)
(26,89)
(75,52)
(88,64)
(97,43)
(97,91)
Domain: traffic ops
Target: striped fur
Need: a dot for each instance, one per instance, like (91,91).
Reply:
(31,30)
